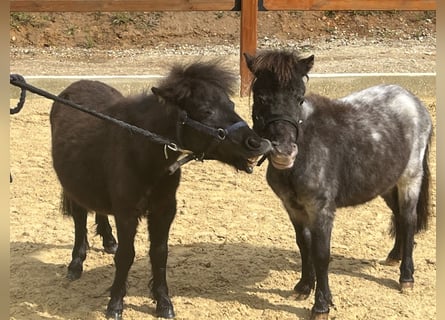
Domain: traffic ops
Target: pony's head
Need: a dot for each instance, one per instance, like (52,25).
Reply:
(209,125)
(278,94)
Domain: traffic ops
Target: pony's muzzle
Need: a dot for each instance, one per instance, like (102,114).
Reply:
(283,156)
(258,144)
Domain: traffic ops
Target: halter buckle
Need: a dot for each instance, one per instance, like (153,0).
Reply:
(221,133)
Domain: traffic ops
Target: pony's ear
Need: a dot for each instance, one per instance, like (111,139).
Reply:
(159,94)
(306,64)
(249,61)
(172,95)
(156,91)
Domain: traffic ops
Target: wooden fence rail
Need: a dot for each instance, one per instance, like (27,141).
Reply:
(249,12)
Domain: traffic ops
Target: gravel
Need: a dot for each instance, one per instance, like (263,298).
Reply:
(334,55)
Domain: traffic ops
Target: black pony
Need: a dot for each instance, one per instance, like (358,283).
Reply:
(329,154)
(111,170)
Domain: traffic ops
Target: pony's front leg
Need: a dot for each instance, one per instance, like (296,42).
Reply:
(306,284)
(158,252)
(124,257)
(162,210)
(321,251)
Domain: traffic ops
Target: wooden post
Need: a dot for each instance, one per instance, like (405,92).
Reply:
(248,41)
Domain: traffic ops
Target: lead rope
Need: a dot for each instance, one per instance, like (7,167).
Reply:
(20,104)
(18,108)
(18,81)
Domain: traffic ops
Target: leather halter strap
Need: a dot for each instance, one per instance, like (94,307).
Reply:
(279,117)
(219,134)
(298,124)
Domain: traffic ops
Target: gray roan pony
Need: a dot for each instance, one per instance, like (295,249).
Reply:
(329,154)
(112,170)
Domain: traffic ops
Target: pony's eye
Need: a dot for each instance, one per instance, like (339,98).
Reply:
(301,102)
(204,111)
(208,112)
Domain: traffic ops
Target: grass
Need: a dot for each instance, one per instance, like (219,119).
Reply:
(121,18)
(89,42)
(18,19)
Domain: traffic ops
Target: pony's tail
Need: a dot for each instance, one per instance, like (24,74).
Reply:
(66,205)
(423,204)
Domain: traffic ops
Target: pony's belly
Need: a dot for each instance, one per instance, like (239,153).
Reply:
(86,188)
(91,199)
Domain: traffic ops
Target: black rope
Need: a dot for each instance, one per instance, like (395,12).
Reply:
(19,81)
(20,104)
(18,108)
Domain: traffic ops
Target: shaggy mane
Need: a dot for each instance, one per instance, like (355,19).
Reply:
(182,78)
(283,64)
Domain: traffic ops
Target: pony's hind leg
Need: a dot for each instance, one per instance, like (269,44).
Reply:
(392,200)
(79,253)
(104,230)
(408,194)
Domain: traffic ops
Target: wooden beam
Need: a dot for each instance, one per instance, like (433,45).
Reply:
(213,5)
(248,41)
(338,5)
(119,5)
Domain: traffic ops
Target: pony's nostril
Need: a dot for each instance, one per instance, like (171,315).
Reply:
(253,143)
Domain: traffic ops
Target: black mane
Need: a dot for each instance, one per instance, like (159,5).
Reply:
(284,65)
(182,79)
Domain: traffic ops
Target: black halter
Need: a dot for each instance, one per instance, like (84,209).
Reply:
(219,134)
(264,123)
(280,117)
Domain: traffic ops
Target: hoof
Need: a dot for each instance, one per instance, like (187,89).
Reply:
(302,290)
(301,296)
(406,287)
(320,316)
(116,315)
(390,262)
(73,274)
(165,312)
(111,249)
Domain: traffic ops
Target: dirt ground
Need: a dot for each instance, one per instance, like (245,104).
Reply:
(173,29)
(232,248)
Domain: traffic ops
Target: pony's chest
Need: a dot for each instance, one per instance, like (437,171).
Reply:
(283,185)
(300,192)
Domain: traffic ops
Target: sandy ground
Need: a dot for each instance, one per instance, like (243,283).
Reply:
(232,248)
